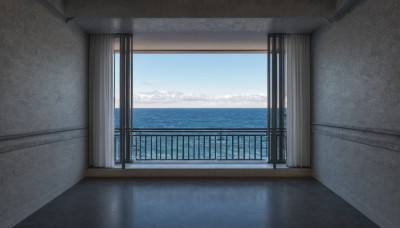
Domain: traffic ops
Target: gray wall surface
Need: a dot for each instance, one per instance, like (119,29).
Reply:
(43,107)
(356,109)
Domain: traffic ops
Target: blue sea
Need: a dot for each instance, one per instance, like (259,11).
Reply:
(197,118)
(236,145)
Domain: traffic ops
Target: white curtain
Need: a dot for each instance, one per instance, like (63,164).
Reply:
(298,100)
(101,100)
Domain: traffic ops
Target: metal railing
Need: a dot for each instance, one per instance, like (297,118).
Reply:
(201,144)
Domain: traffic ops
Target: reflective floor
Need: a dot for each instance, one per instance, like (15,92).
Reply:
(274,202)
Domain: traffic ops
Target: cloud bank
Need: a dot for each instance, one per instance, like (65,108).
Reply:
(192,100)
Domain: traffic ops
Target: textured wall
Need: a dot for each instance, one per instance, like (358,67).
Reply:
(33,176)
(356,106)
(42,70)
(43,97)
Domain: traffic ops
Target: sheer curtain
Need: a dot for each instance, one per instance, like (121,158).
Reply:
(101,100)
(298,100)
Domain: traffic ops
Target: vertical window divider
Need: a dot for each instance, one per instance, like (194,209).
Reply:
(276,95)
(125,97)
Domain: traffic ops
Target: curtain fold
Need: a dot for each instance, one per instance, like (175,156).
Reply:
(101,100)
(298,100)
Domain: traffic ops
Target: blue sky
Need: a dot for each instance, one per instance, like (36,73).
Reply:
(200,80)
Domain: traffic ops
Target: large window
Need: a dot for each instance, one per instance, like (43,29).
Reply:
(198,90)
(197,106)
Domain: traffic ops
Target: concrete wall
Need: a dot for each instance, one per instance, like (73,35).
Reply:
(356,109)
(43,107)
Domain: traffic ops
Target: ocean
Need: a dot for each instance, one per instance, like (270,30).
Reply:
(236,145)
(197,118)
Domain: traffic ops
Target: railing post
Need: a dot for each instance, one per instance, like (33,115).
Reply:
(220,144)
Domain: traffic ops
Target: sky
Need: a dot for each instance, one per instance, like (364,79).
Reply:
(198,80)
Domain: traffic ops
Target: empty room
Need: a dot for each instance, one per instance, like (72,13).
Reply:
(200,113)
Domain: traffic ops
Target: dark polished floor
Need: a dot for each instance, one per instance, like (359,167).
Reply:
(197,203)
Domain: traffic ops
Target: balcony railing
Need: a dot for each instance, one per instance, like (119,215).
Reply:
(202,144)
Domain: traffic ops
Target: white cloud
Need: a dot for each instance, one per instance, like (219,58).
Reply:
(181,99)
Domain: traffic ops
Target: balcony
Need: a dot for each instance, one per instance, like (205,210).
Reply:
(202,145)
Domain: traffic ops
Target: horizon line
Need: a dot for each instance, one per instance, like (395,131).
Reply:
(197,107)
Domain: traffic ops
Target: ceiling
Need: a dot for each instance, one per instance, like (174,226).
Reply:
(199,33)
(198,24)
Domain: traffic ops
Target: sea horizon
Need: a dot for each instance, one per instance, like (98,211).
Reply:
(197,117)
(197,108)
